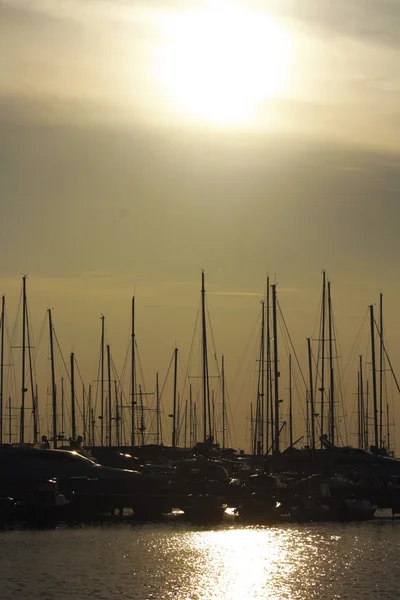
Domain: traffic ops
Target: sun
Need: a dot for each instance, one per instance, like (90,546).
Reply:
(220,63)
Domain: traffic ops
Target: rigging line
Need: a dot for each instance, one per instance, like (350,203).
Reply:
(291,344)
(163,387)
(353,351)
(246,349)
(340,370)
(238,371)
(140,366)
(389,361)
(61,355)
(41,333)
(230,424)
(14,330)
(210,327)
(125,363)
(194,337)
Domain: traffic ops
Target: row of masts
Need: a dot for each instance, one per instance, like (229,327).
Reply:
(267,426)
(321,402)
(110,417)
(266,422)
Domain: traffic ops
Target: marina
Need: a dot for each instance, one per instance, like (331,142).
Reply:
(68,477)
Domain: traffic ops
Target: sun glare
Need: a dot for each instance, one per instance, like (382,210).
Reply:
(220,63)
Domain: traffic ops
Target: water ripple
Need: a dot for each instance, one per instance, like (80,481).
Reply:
(334,562)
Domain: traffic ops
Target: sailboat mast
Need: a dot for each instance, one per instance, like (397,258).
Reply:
(381,370)
(73,415)
(290,403)
(142,427)
(157,411)
(362,407)
(262,379)
(312,408)
(102,384)
(359,422)
(223,401)
(331,373)
(269,404)
(191,417)
(117,417)
(9,421)
(109,396)
(185,425)
(174,415)
(62,407)
(33,395)
(387,429)
(251,427)
(372,323)
(91,433)
(53,380)
(23,389)
(323,353)
(83,411)
(3,313)
(276,370)
(133,381)
(367,417)
(206,391)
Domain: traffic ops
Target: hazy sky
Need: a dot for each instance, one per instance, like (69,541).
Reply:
(131,158)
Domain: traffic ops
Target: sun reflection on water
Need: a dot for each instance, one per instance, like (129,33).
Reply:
(244,563)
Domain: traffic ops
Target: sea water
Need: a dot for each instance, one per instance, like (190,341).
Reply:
(183,562)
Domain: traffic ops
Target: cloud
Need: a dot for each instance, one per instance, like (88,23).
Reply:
(234,294)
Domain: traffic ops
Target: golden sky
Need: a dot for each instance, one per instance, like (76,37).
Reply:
(141,142)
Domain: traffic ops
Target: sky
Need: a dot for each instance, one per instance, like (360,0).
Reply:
(141,142)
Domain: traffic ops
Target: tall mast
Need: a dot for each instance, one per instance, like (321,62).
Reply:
(53,380)
(251,427)
(142,427)
(323,353)
(133,382)
(174,415)
(83,412)
(372,324)
(194,423)
(91,429)
(269,403)
(33,395)
(185,425)
(102,383)
(23,389)
(3,312)
(223,402)
(381,370)
(290,403)
(109,396)
(312,408)
(276,370)
(388,429)
(362,440)
(262,378)
(367,416)
(359,421)
(73,416)
(157,411)
(117,417)
(191,418)
(9,421)
(331,373)
(62,407)
(206,390)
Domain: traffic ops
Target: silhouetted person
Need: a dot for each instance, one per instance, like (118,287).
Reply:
(45,443)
